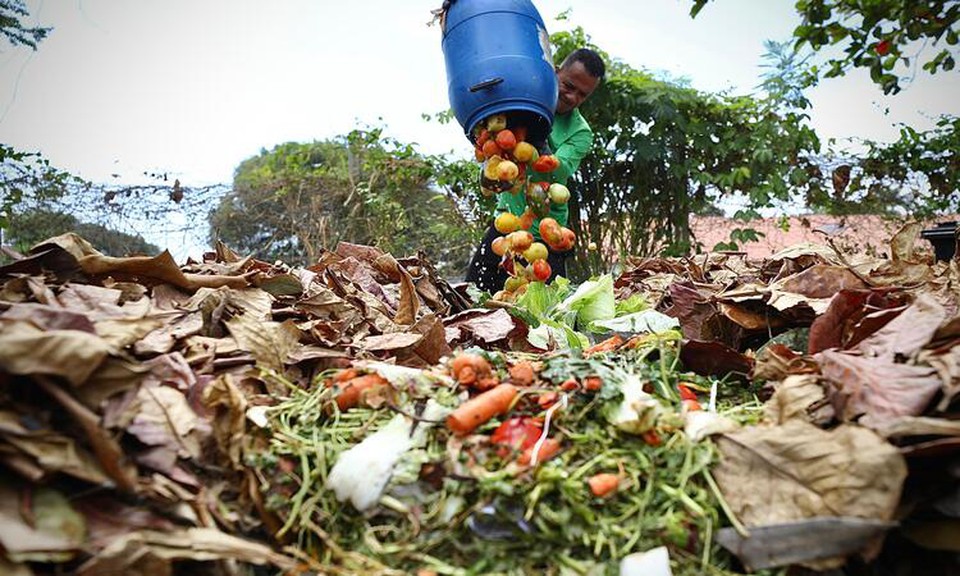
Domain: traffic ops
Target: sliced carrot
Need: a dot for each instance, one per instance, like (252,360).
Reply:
(548,450)
(487,383)
(352,390)
(482,408)
(343,376)
(547,399)
(603,484)
(608,345)
(592,383)
(651,437)
(522,374)
(569,385)
(686,393)
(469,368)
(691,405)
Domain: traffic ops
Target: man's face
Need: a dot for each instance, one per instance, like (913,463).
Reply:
(576,85)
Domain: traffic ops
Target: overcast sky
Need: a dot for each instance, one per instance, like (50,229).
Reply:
(193,87)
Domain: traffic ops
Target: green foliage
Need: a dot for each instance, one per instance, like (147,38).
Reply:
(12,28)
(878,35)
(34,226)
(25,178)
(918,174)
(296,199)
(663,150)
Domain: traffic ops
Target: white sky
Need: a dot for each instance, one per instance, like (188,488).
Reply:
(193,87)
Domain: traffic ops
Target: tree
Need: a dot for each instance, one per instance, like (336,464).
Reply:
(12,28)
(663,150)
(918,174)
(35,226)
(293,201)
(878,35)
(28,177)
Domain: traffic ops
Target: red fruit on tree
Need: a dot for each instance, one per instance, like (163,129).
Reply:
(882,48)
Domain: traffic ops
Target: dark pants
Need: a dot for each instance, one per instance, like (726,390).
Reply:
(485,270)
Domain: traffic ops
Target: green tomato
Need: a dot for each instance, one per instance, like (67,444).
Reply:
(559,194)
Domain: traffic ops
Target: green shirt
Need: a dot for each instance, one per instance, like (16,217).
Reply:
(570,139)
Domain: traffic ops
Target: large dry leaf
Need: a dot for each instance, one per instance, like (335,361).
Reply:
(164,418)
(714,359)
(95,301)
(906,334)
(907,426)
(794,398)
(432,346)
(488,326)
(874,390)
(389,342)
(753,315)
(777,361)
(104,446)
(163,339)
(48,317)
(777,474)
(228,407)
(820,281)
(149,553)
(160,268)
(70,354)
(813,287)
(51,451)
(270,342)
(808,542)
(55,533)
(108,518)
(9,568)
(119,333)
(852,316)
(947,364)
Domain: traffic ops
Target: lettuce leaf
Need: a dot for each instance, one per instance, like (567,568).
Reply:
(593,300)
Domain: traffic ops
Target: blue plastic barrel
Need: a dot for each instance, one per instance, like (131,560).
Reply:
(498,59)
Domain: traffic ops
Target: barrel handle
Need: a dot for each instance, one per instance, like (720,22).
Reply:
(486,84)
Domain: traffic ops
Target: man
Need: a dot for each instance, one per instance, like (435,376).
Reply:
(570,139)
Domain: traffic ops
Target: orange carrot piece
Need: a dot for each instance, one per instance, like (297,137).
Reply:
(608,345)
(468,369)
(548,450)
(651,437)
(479,409)
(343,376)
(603,484)
(569,385)
(487,383)
(522,374)
(352,390)
(592,383)
(691,405)
(547,399)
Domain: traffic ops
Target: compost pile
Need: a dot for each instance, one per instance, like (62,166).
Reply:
(361,415)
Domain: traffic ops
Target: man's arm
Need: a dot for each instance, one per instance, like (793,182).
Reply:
(570,153)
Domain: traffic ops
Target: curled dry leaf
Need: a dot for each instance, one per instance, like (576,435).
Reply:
(874,390)
(781,474)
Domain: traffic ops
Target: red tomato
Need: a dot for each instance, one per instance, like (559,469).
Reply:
(518,433)
(686,393)
(541,270)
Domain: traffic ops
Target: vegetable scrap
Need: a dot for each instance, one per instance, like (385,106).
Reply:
(705,415)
